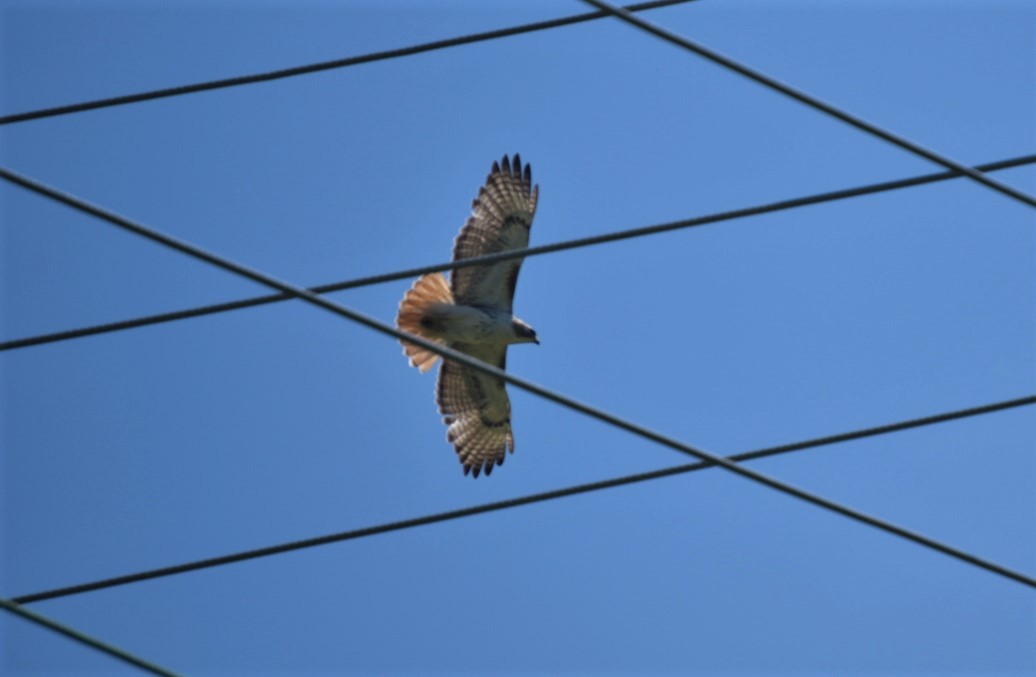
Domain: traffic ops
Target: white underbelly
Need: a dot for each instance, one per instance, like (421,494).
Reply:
(468,324)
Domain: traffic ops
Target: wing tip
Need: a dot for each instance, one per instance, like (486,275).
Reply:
(484,466)
(476,462)
(512,166)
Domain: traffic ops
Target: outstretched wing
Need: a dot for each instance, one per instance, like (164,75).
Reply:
(500,219)
(476,409)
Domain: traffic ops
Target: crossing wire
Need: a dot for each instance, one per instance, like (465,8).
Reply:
(513,502)
(503,256)
(92,642)
(478,365)
(708,459)
(812,101)
(323,66)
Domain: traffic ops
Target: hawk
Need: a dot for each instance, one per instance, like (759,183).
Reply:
(472,314)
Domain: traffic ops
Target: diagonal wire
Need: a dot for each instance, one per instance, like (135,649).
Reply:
(812,101)
(83,638)
(529,386)
(518,253)
(324,65)
(511,503)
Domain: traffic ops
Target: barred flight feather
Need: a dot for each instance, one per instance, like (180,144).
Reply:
(475,406)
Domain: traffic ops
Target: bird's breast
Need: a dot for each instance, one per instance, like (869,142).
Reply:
(470,324)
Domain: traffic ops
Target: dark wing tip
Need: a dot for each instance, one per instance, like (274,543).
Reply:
(524,174)
(513,167)
(475,469)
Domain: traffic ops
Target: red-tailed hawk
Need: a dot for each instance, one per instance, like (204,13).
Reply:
(472,314)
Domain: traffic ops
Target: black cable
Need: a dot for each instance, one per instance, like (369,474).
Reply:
(812,101)
(512,503)
(502,256)
(92,642)
(323,66)
(477,365)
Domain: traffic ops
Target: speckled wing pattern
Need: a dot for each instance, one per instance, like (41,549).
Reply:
(501,217)
(476,409)
(475,406)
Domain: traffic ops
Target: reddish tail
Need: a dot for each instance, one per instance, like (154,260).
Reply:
(427,291)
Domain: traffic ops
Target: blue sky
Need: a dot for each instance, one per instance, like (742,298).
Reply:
(160,445)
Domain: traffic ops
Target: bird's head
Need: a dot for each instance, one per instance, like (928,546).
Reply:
(523,333)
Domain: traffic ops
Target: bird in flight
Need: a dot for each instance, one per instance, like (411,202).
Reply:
(472,314)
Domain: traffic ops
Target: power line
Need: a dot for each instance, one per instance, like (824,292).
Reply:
(502,256)
(512,503)
(480,366)
(710,460)
(83,638)
(812,101)
(324,65)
